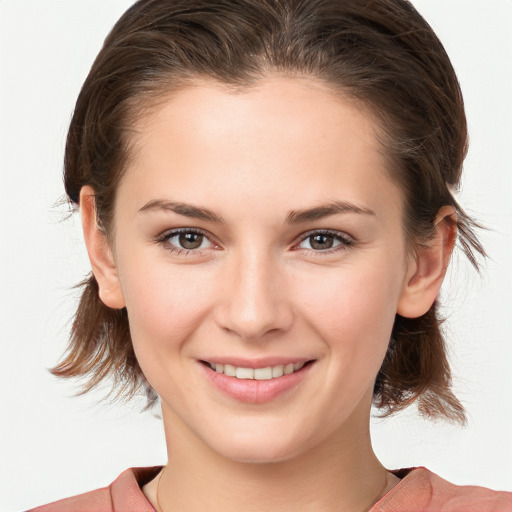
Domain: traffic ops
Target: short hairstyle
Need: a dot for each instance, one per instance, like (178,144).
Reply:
(380,53)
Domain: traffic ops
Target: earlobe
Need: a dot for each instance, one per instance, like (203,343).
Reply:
(427,270)
(100,253)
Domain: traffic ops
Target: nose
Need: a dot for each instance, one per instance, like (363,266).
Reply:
(254,301)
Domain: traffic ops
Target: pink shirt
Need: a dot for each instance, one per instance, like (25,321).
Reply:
(420,490)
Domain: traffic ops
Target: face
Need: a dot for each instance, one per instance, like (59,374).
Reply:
(260,252)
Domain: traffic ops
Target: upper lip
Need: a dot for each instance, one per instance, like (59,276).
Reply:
(262,362)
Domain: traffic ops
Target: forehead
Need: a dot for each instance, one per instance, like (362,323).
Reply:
(301,102)
(281,135)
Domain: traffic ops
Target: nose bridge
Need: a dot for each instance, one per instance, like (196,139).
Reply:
(255,302)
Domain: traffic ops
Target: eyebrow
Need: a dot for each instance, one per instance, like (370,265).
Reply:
(293,217)
(334,208)
(187,210)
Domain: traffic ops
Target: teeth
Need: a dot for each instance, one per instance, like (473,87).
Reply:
(270,372)
(244,373)
(288,369)
(229,370)
(278,371)
(263,373)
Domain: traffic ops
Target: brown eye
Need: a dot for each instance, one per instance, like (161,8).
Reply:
(325,241)
(185,240)
(321,242)
(190,240)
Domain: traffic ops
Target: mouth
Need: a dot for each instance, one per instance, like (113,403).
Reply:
(266,373)
(257,382)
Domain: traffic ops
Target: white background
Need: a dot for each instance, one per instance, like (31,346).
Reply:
(54,445)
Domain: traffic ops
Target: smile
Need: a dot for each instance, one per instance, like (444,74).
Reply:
(267,373)
(248,384)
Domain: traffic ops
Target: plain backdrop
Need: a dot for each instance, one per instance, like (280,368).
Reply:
(53,444)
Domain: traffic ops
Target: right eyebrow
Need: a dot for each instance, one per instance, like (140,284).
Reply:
(187,210)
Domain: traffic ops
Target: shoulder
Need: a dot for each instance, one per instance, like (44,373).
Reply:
(123,494)
(420,490)
(98,500)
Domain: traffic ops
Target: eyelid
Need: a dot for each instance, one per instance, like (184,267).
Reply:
(343,237)
(164,238)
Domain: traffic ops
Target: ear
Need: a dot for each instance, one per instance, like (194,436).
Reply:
(427,270)
(100,253)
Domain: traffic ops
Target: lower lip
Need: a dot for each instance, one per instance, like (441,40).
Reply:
(256,391)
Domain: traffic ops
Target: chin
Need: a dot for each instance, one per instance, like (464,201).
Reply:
(253,455)
(259,448)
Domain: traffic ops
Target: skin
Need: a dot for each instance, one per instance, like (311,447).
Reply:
(256,287)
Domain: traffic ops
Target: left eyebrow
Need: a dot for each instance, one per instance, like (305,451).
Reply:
(319,212)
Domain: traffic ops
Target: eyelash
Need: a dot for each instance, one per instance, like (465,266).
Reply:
(180,251)
(345,242)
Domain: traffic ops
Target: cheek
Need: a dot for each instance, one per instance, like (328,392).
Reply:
(165,305)
(353,310)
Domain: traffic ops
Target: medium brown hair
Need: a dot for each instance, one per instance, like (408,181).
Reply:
(381,53)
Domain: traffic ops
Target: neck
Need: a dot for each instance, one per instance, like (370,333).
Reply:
(336,475)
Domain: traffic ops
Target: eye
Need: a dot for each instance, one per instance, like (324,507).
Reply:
(188,240)
(324,241)
(185,240)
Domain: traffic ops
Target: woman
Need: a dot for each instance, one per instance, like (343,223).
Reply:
(265,189)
